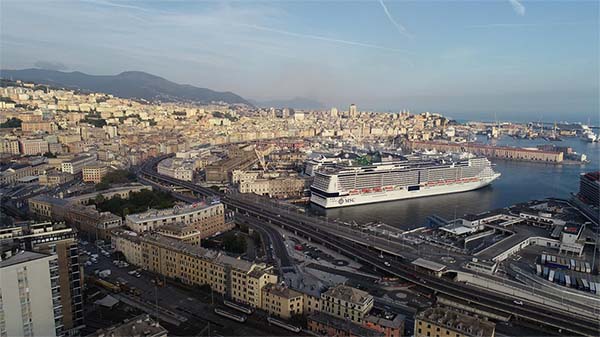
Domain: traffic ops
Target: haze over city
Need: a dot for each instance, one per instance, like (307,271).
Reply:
(518,60)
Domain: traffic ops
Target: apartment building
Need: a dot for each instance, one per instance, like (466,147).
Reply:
(281,301)
(177,168)
(60,240)
(29,294)
(9,146)
(277,187)
(75,165)
(444,322)
(240,280)
(94,172)
(92,223)
(31,147)
(347,303)
(13,172)
(182,232)
(207,218)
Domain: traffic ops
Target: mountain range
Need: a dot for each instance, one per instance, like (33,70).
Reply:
(129,84)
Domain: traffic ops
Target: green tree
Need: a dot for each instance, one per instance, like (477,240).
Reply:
(11,123)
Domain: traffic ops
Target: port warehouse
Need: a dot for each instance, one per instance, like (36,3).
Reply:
(571,273)
(502,152)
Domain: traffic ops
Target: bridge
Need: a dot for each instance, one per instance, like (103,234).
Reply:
(314,229)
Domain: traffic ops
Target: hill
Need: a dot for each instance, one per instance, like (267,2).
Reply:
(129,84)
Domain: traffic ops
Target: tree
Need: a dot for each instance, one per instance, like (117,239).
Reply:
(234,244)
(11,123)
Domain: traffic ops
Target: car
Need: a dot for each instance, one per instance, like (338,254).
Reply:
(131,272)
(518,302)
(387,264)
(138,275)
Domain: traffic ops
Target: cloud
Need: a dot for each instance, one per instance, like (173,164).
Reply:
(48,65)
(525,25)
(318,37)
(517,7)
(398,26)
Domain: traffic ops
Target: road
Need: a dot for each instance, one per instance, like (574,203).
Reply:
(306,227)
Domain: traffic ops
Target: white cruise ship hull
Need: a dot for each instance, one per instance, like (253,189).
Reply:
(398,194)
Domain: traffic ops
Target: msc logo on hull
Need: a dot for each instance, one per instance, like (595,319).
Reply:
(342,201)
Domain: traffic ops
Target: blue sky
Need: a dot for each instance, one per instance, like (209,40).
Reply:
(464,58)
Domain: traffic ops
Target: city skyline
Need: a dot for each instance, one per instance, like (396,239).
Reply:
(508,58)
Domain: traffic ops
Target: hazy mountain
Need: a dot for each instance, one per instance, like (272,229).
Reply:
(129,84)
(294,103)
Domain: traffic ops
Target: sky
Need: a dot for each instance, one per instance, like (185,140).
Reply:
(504,59)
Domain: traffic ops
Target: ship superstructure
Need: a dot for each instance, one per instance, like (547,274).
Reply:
(408,177)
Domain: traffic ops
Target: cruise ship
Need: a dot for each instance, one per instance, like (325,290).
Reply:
(407,177)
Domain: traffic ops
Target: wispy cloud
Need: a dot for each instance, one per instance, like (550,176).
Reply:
(398,26)
(319,37)
(517,7)
(526,25)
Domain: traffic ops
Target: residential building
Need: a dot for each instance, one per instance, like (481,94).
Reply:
(9,146)
(589,188)
(142,325)
(75,165)
(328,325)
(442,322)
(281,301)
(30,296)
(13,172)
(237,279)
(182,232)
(177,168)
(31,147)
(89,221)
(60,240)
(347,303)
(208,219)
(94,172)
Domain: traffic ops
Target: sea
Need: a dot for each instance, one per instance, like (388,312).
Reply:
(520,182)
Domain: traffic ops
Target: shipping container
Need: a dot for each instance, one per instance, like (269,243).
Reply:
(545,272)
(588,268)
(592,287)
(538,269)
(553,258)
(543,258)
(567,281)
(551,276)
(572,264)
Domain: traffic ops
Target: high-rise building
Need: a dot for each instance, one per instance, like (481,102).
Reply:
(589,188)
(352,112)
(333,112)
(30,303)
(61,241)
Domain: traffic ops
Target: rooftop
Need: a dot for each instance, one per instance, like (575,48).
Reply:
(468,325)
(281,291)
(349,294)
(431,265)
(154,214)
(21,257)
(141,325)
(343,325)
